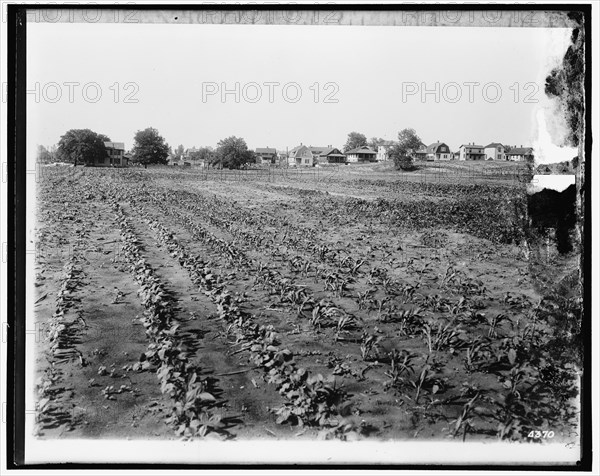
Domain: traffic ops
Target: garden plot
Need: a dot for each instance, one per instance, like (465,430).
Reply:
(275,311)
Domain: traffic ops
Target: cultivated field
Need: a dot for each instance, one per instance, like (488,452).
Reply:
(350,302)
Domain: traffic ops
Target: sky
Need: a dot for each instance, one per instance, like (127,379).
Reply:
(286,85)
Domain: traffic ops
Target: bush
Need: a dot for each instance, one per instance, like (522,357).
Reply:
(404,162)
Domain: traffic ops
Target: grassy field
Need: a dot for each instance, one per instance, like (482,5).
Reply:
(343,303)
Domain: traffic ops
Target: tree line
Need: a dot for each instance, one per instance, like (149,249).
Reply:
(85,147)
(400,152)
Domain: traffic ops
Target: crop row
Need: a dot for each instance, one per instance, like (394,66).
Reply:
(179,378)
(311,400)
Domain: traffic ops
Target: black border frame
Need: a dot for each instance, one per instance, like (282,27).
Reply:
(16,232)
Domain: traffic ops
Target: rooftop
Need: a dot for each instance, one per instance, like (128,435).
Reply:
(361,150)
(115,145)
(265,150)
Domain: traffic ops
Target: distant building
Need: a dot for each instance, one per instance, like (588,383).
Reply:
(494,151)
(471,152)
(115,156)
(419,154)
(383,149)
(438,151)
(300,156)
(308,156)
(361,154)
(266,155)
(330,155)
(519,153)
(179,162)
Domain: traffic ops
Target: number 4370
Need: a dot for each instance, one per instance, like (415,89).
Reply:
(540,434)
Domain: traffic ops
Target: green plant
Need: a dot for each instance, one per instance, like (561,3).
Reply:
(401,364)
(368,344)
(477,354)
(363,299)
(464,421)
(345,322)
(425,375)
(439,336)
(494,322)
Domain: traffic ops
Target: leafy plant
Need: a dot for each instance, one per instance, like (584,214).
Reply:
(402,363)
(369,344)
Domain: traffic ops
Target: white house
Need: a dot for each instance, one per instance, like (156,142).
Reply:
(519,153)
(300,156)
(382,150)
(361,154)
(438,151)
(494,151)
(471,152)
(266,155)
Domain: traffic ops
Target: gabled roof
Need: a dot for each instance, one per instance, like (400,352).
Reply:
(330,150)
(115,145)
(298,150)
(361,150)
(316,149)
(520,151)
(265,150)
(432,148)
(493,144)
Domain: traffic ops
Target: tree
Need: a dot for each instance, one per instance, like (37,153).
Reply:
(82,146)
(46,156)
(232,153)
(375,142)
(149,148)
(566,82)
(203,154)
(355,140)
(408,140)
(178,154)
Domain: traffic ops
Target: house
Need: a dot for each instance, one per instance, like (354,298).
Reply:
(115,156)
(265,155)
(519,153)
(438,151)
(300,156)
(330,155)
(471,152)
(382,150)
(282,157)
(494,151)
(419,154)
(180,162)
(361,154)
(308,156)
